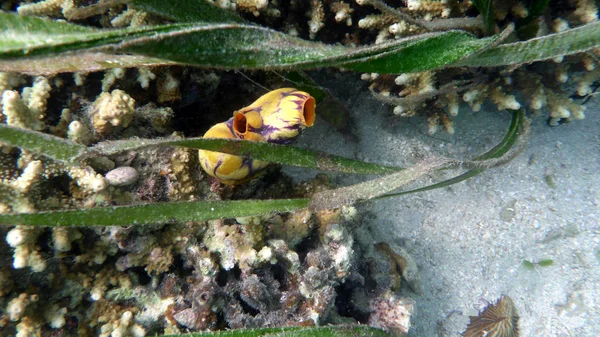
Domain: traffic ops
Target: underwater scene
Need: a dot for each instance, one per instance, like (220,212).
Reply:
(300,168)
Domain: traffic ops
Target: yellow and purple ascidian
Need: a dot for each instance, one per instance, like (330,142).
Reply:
(276,117)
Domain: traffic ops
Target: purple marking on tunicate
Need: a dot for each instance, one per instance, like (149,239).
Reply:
(219,163)
(293,127)
(229,124)
(293,93)
(266,130)
(285,140)
(283,121)
(250,164)
(299,104)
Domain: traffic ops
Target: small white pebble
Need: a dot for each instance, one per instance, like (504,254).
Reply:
(122,176)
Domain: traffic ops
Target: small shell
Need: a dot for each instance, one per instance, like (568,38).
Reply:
(121,176)
(278,117)
(496,320)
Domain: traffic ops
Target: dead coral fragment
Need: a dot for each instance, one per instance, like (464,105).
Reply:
(295,228)
(497,320)
(182,184)
(392,314)
(111,111)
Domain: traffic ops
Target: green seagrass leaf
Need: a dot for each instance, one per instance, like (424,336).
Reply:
(41,143)
(25,42)
(69,152)
(160,212)
(486,9)
(224,45)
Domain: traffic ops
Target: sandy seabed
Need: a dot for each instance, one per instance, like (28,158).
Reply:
(470,239)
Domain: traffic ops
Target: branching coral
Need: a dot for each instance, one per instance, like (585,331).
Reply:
(28,109)
(317,18)
(24,175)
(168,88)
(236,264)
(110,77)
(17,307)
(23,240)
(343,12)
(252,6)
(122,327)
(132,18)
(79,133)
(56,316)
(9,81)
(541,86)
(63,237)
(586,10)
(47,7)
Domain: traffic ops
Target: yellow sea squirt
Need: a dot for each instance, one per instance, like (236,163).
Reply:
(278,116)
